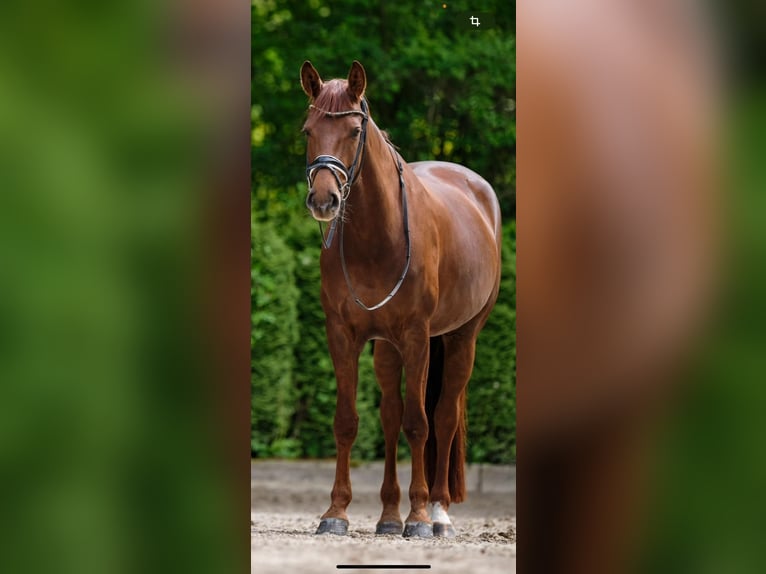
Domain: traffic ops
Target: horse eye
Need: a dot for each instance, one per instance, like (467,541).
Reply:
(355,132)
(306,132)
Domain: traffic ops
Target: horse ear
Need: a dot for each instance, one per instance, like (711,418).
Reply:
(310,80)
(357,81)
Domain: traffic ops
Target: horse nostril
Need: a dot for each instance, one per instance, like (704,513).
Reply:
(334,201)
(310,198)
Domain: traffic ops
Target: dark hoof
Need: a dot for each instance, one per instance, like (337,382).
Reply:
(444,530)
(389,528)
(418,529)
(333,526)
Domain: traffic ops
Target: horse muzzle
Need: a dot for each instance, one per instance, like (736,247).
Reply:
(323,206)
(326,193)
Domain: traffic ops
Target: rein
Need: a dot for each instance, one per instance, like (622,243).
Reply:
(337,168)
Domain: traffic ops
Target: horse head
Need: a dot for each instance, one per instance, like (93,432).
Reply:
(335,132)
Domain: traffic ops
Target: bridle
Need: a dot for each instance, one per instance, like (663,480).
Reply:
(337,167)
(350,175)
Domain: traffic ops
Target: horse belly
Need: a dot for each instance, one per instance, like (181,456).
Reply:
(469,251)
(466,283)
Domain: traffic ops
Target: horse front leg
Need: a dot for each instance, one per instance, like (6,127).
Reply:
(388,371)
(416,352)
(344,350)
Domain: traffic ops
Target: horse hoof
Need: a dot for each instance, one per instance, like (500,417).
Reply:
(418,529)
(444,530)
(389,528)
(333,526)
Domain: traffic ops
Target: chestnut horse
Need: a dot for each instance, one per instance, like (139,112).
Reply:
(411,260)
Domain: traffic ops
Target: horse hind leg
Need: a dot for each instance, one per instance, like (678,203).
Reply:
(449,429)
(388,371)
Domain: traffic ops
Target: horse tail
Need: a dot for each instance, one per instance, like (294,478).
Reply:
(433,390)
(457,454)
(456,473)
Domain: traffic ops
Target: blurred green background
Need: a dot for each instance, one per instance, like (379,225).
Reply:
(110,447)
(455,104)
(711,461)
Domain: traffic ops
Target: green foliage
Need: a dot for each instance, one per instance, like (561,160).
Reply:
(507,294)
(455,104)
(369,444)
(314,378)
(274,333)
(492,389)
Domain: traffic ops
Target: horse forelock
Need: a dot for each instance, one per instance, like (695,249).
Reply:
(334,97)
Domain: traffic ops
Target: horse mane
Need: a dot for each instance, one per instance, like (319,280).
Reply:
(386,137)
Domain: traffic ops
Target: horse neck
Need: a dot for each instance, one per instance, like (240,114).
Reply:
(375,210)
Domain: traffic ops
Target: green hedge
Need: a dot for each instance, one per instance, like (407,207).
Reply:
(274,333)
